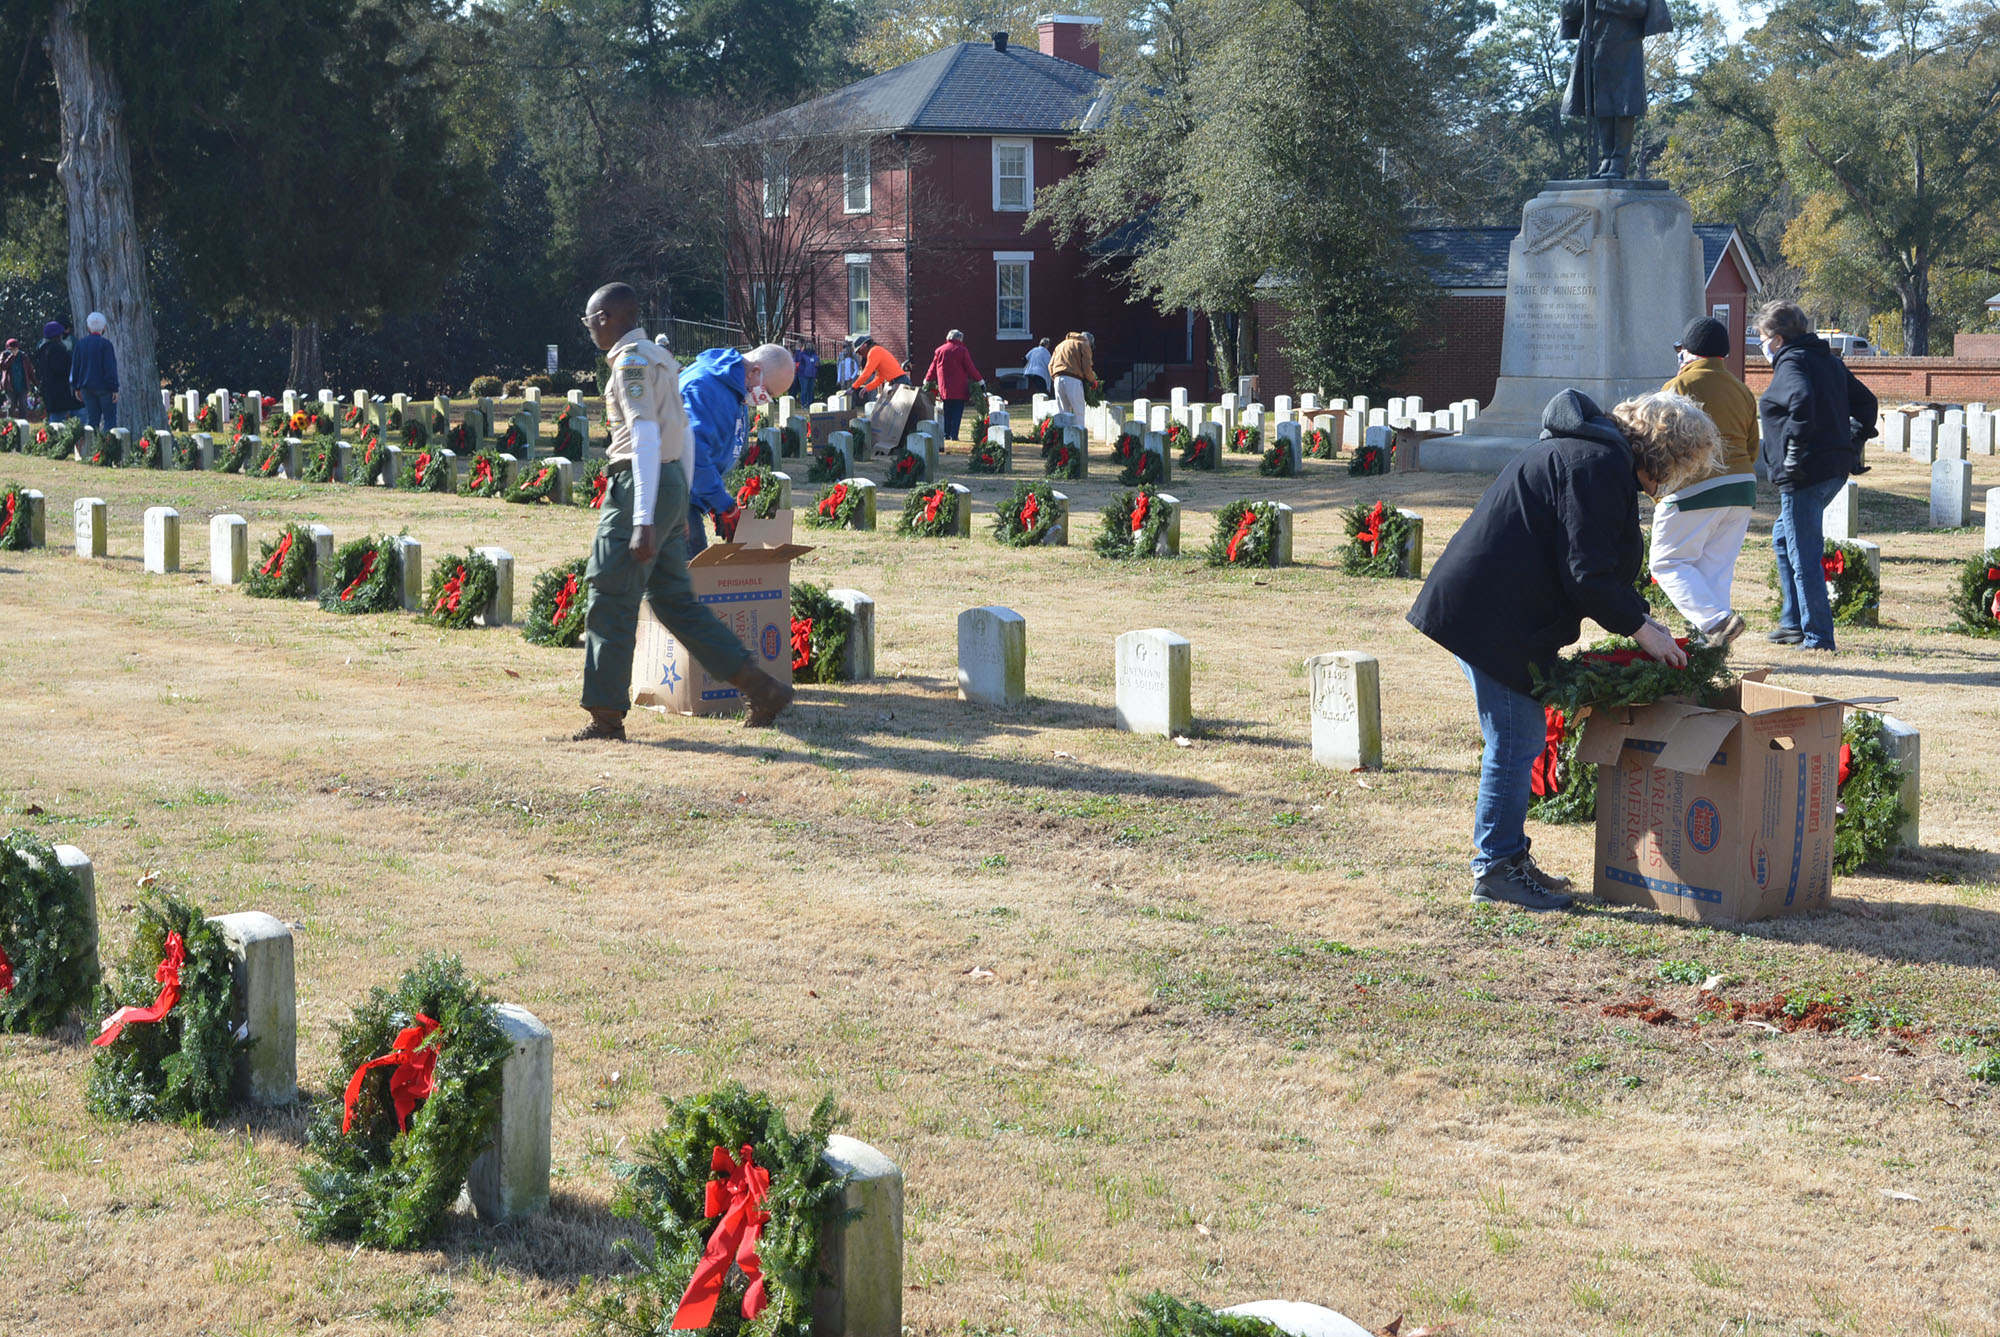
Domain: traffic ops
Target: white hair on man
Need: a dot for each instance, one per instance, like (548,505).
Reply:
(774,367)
(95,322)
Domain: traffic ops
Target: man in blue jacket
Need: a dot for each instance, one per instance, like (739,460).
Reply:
(93,370)
(714,390)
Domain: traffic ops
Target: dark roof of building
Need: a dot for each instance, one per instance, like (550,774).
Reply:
(970,88)
(1476,257)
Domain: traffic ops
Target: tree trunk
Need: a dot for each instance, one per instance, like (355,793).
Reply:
(307,376)
(1916,295)
(107,265)
(1222,345)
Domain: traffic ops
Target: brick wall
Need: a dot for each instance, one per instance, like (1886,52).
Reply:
(1898,380)
(1455,354)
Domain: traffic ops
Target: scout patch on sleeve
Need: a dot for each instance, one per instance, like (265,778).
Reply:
(632,373)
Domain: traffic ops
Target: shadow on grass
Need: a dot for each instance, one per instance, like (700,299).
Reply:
(577,1237)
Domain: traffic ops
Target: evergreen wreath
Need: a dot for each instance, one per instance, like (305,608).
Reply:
(1656,595)
(828,465)
(1128,447)
(755,489)
(270,456)
(185,456)
(393,419)
(1321,443)
(1869,816)
(791,441)
(1976,600)
(367,577)
(906,468)
(1133,525)
(48,964)
(283,566)
(821,625)
(1200,454)
(1247,441)
(486,475)
(557,608)
(514,441)
(389,1186)
(835,507)
(319,457)
(177,419)
(1062,460)
(105,451)
(415,435)
(1161,1315)
(594,486)
(430,471)
(179,1068)
(536,485)
(1246,534)
(931,512)
(154,449)
(1047,433)
(366,462)
(665,1189)
(755,455)
(207,418)
(462,440)
(1277,461)
(1178,435)
(57,442)
(1378,538)
(351,416)
(17,529)
(1609,674)
(1852,591)
(236,459)
(460,588)
(436,422)
(323,423)
(1370,458)
(248,423)
(1144,469)
(10,436)
(1026,516)
(989,457)
(569,436)
(370,432)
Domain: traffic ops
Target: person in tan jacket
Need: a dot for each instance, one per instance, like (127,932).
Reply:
(1072,369)
(1698,529)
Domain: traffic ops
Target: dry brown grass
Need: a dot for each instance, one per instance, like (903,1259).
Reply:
(1242,1037)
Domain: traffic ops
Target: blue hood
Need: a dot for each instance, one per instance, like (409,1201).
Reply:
(1575,414)
(725,364)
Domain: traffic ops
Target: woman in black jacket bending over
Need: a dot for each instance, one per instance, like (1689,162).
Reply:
(1810,447)
(1554,540)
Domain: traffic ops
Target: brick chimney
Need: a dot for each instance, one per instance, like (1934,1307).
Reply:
(1069,37)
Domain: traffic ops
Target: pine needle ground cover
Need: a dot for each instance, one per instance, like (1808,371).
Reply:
(1425,1108)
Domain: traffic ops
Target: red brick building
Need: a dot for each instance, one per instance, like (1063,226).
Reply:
(1455,354)
(939,162)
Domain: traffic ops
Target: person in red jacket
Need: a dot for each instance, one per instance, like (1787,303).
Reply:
(953,374)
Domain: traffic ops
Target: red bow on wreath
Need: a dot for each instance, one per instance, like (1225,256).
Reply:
(1846,766)
(8,523)
(543,476)
(482,472)
(1139,509)
(277,559)
(1370,532)
(802,635)
(6,972)
(931,506)
(1030,508)
(1546,778)
(1833,564)
(564,598)
(453,591)
(598,488)
(831,503)
(367,570)
(751,487)
(411,1081)
(1243,528)
(168,974)
(738,1199)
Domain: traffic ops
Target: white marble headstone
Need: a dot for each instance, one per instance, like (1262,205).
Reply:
(992,656)
(1153,670)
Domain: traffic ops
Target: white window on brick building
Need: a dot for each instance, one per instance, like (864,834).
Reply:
(857,294)
(859,185)
(1010,286)
(1013,175)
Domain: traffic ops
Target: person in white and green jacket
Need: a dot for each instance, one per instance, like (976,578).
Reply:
(1699,529)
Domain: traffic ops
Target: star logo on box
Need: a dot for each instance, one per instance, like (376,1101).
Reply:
(671,676)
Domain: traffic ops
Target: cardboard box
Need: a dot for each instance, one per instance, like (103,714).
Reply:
(1718,814)
(748,584)
(897,409)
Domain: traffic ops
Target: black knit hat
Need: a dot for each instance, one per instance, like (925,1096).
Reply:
(1705,336)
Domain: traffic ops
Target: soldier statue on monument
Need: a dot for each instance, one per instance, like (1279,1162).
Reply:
(1607,83)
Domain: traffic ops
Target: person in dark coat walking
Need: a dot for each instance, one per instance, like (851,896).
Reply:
(93,370)
(1607,80)
(52,361)
(1816,413)
(1554,540)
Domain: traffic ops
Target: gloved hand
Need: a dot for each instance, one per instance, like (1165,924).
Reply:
(726,522)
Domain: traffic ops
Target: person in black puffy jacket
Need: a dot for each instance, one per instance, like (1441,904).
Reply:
(1811,444)
(1554,540)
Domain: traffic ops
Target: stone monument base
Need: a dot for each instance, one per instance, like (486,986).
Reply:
(1601,280)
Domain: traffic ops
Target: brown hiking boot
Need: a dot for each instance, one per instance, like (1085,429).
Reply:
(606,726)
(765,696)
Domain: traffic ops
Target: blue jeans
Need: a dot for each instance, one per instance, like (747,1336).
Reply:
(98,410)
(954,416)
(1514,729)
(1797,538)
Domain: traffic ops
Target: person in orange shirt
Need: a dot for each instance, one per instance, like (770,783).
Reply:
(879,369)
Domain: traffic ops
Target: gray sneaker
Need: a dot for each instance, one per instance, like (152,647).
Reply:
(1509,884)
(1542,877)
